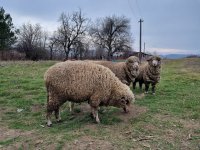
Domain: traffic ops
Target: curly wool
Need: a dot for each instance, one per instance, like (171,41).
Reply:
(125,71)
(79,81)
(149,73)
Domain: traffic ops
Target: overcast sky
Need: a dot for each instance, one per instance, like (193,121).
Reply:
(170,26)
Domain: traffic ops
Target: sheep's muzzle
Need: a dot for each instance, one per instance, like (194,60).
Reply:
(126,109)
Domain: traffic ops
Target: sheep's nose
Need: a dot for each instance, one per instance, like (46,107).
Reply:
(154,63)
(136,65)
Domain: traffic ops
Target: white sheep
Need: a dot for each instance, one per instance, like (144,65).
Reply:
(79,81)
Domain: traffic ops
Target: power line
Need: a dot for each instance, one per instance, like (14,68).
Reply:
(132,9)
(139,10)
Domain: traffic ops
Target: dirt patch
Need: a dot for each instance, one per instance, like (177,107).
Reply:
(13,136)
(134,112)
(139,96)
(181,130)
(189,124)
(6,133)
(89,143)
(37,108)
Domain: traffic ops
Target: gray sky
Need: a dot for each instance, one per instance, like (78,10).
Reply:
(170,26)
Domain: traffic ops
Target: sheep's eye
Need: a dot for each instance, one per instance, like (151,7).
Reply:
(127,102)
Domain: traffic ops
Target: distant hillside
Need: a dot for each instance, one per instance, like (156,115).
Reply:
(175,56)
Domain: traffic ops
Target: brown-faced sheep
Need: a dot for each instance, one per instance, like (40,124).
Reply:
(149,73)
(79,81)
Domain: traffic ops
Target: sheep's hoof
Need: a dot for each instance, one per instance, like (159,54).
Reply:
(59,121)
(49,125)
(97,121)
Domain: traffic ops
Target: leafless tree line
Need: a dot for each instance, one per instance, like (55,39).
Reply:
(76,37)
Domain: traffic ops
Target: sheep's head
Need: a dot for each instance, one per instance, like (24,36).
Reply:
(132,64)
(122,99)
(154,61)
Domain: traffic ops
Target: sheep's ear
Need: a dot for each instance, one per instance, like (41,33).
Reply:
(158,58)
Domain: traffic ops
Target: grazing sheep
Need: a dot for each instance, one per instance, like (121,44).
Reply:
(149,74)
(125,71)
(79,81)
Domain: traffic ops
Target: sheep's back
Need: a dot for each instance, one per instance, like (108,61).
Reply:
(116,68)
(79,80)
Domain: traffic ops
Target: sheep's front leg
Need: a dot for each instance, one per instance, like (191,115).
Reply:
(71,106)
(153,88)
(49,113)
(140,85)
(146,88)
(57,115)
(134,85)
(95,113)
(94,104)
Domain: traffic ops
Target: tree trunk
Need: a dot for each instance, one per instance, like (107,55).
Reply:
(67,53)
(81,55)
(51,54)
(110,56)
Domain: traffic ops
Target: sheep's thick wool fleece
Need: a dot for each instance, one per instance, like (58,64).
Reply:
(149,73)
(119,69)
(78,80)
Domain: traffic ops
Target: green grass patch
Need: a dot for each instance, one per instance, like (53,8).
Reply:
(9,141)
(177,101)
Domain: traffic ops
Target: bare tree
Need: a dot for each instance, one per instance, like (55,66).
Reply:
(100,53)
(32,40)
(112,33)
(52,44)
(80,48)
(72,27)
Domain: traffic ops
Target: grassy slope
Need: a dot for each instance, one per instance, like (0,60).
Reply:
(171,122)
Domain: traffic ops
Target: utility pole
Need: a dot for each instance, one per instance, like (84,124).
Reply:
(140,54)
(144,47)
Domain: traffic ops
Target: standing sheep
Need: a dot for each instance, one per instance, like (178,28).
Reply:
(79,81)
(149,74)
(125,71)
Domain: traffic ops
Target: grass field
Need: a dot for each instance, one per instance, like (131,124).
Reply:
(168,120)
